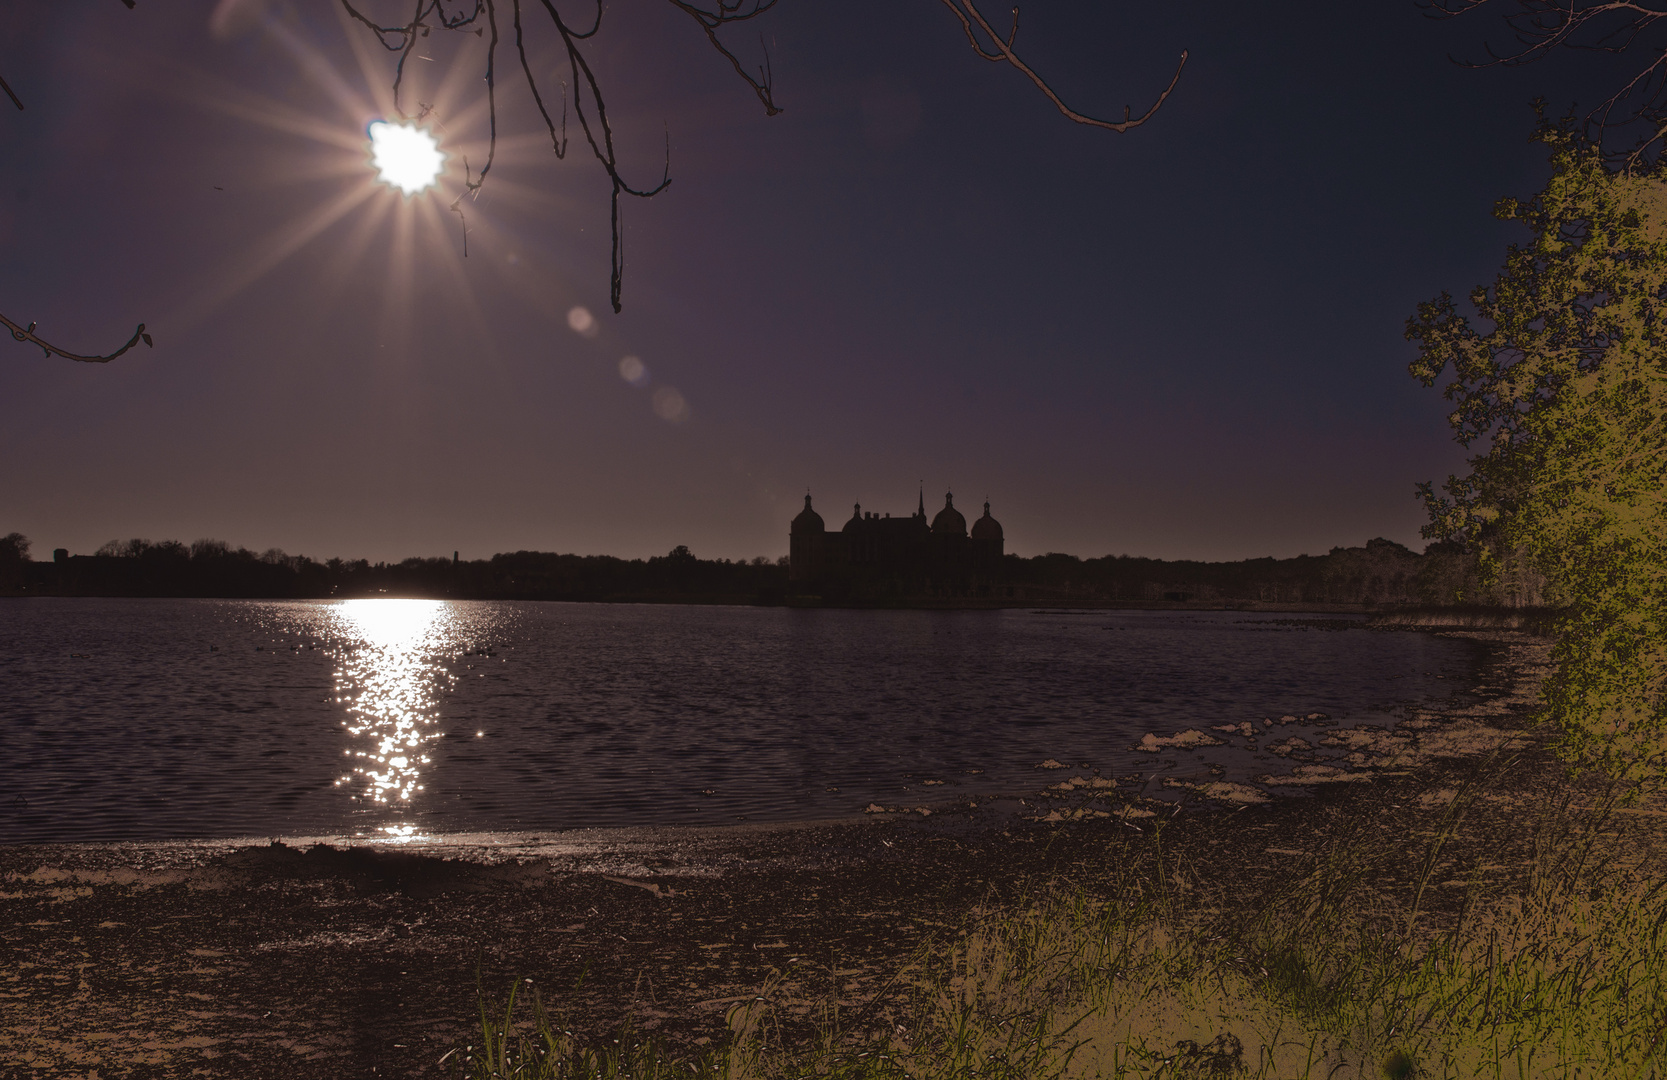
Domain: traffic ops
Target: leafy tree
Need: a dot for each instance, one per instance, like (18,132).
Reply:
(1568,393)
(14,555)
(14,547)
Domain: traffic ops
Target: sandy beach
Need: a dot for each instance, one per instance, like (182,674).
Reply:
(298,958)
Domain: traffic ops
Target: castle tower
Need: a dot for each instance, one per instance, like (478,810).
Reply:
(806,559)
(987,543)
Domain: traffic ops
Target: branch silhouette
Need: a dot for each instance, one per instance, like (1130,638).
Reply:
(590,105)
(1540,27)
(1001,50)
(27,333)
(429,15)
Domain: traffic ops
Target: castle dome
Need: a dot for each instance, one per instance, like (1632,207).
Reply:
(949,519)
(986,527)
(856,518)
(808,521)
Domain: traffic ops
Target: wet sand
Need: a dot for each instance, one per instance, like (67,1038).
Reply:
(297,959)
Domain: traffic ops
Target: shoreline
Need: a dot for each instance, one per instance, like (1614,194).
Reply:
(1411,615)
(259,961)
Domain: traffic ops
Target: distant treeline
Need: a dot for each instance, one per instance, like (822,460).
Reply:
(212,568)
(1381,574)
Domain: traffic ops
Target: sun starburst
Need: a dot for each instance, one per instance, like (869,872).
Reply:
(405,156)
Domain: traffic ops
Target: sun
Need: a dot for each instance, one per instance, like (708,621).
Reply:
(405,156)
(390,172)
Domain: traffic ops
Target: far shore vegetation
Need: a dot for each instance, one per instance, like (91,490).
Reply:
(1380,574)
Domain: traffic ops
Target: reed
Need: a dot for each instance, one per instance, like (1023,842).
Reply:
(518,1040)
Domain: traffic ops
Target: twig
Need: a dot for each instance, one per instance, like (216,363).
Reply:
(969,15)
(427,15)
(712,16)
(1540,27)
(27,333)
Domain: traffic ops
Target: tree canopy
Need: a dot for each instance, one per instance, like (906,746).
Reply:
(1568,392)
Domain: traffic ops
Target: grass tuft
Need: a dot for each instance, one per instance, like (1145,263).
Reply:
(1567,979)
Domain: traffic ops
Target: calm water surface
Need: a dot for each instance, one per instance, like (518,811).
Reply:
(173,719)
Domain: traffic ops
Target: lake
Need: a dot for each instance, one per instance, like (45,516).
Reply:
(157,719)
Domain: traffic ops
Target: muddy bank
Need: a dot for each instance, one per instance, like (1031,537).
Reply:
(298,960)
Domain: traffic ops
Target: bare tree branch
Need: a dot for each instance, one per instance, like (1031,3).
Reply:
(736,11)
(590,107)
(402,39)
(14,97)
(973,22)
(593,120)
(1541,27)
(27,333)
(558,143)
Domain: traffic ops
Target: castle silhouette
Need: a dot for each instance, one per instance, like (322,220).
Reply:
(879,554)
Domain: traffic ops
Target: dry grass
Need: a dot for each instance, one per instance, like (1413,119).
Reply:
(1331,978)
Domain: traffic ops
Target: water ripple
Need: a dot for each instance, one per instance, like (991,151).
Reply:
(168,719)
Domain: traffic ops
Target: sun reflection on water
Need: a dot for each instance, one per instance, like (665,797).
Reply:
(390,680)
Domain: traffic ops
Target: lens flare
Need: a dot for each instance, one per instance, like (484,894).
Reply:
(405,156)
(582,322)
(670,406)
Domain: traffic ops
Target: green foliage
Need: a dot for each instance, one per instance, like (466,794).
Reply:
(1568,392)
(537,1049)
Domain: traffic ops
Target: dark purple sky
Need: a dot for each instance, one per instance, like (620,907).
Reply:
(1183,341)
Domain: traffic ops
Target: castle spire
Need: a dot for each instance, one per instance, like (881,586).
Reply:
(922,510)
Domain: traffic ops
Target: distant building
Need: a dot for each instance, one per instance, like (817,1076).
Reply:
(878,554)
